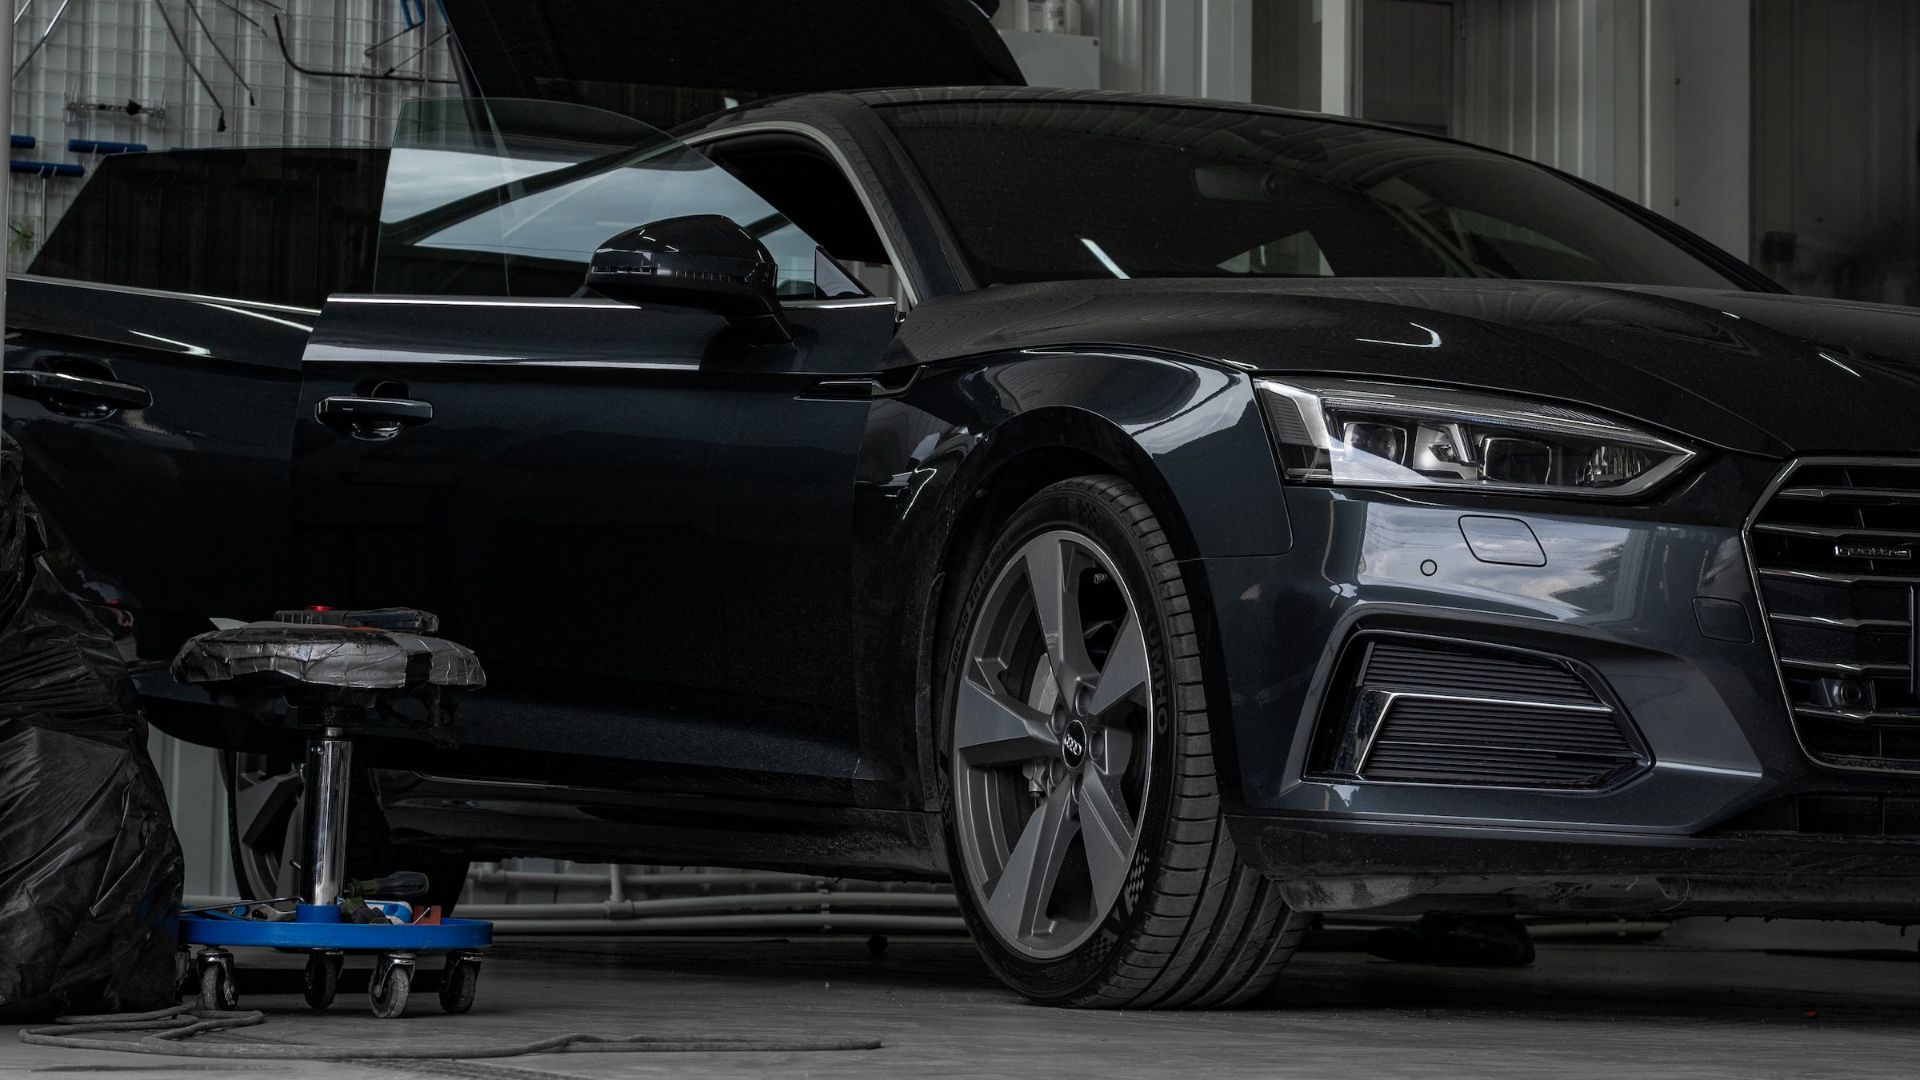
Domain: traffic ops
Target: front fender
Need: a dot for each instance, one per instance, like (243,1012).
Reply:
(946,458)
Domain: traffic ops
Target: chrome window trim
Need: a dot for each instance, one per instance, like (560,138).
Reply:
(323,353)
(902,269)
(169,294)
(580,303)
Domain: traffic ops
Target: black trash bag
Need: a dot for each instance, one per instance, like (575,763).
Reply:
(90,868)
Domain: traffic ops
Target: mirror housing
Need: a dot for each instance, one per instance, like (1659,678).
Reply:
(703,261)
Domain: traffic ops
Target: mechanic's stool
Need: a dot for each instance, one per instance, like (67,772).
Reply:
(333,669)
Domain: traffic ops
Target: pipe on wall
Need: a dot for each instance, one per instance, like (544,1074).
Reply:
(647,909)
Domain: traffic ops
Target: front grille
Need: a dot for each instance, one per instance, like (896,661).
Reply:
(1836,550)
(1430,712)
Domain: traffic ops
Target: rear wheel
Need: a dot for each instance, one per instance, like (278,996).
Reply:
(265,804)
(1083,813)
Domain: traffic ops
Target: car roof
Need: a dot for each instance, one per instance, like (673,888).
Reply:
(798,105)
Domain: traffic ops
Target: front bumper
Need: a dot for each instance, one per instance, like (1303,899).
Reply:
(1331,864)
(1618,595)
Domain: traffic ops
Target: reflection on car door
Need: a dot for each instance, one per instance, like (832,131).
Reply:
(607,501)
(156,444)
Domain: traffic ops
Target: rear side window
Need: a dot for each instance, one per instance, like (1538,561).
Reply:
(282,226)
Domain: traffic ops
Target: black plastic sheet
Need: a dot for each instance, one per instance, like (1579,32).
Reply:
(90,869)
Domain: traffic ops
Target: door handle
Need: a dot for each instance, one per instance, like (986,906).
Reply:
(371,418)
(76,395)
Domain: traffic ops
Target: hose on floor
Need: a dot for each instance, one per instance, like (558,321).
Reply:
(171,1028)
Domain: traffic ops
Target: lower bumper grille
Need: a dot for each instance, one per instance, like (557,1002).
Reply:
(1836,550)
(1889,817)
(1428,712)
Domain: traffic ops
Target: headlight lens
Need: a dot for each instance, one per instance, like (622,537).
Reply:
(1386,435)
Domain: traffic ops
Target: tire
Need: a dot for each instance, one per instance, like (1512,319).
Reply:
(1168,916)
(267,792)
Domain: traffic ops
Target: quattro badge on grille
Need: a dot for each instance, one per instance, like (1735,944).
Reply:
(1873,551)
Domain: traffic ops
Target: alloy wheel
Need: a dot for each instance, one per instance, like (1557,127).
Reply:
(1052,744)
(266,823)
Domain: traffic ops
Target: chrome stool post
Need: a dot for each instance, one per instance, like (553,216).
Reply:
(327,775)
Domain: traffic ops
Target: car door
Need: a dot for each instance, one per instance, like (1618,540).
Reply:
(155,430)
(153,365)
(619,508)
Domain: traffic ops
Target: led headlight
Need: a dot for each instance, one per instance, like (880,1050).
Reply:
(1386,435)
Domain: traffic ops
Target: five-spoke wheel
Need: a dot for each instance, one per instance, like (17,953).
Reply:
(1083,813)
(1052,735)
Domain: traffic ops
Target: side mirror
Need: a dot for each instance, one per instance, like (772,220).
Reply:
(703,261)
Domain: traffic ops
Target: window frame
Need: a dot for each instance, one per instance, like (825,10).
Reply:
(905,271)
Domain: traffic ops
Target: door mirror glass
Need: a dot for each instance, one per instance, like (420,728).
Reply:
(512,198)
(702,261)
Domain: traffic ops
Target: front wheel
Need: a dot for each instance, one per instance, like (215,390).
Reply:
(1083,813)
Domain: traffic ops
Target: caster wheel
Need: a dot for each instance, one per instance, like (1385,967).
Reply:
(323,978)
(459,983)
(392,978)
(217,992)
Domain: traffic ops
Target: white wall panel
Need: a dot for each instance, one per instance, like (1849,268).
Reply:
(1583,85)
(1190,48)
(121,50)
(197,795)
(1713,120)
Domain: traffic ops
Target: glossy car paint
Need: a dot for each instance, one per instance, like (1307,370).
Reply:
(816,508)
(195,480)
(697,486)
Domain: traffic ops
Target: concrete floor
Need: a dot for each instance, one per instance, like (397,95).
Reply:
(1583,1010)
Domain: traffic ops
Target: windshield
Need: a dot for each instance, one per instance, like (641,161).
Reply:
(1046,191)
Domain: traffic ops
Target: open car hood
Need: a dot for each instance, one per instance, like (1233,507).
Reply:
(667,61)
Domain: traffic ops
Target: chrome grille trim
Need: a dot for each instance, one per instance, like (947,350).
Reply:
(1834,548)
(1851,496)
(1832,533)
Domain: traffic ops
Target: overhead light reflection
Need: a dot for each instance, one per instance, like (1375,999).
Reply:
(1105,259)
(1432,342)
(1829,358)
(190,350)
(262,315)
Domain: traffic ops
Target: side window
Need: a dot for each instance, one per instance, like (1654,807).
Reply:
(800,179)
(510,198)
(277,225)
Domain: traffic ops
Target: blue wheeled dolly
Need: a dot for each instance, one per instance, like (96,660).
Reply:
(333,669)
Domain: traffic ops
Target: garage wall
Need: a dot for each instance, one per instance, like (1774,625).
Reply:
(197,796)
(1836,188)
(1583,85)
(1190,48)
(110,52)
